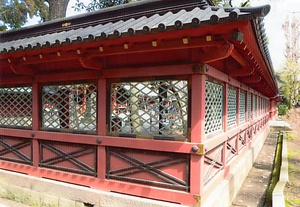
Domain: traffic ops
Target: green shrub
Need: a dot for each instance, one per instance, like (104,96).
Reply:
(282,109)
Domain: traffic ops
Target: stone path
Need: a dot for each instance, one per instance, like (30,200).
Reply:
(253,190)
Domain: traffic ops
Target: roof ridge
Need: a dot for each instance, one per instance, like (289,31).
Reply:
(125,11)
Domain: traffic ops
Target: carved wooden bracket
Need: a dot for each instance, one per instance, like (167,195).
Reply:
(91,63)
(212,54)
(22,70)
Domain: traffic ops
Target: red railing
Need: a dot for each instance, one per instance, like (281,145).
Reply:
(173,170)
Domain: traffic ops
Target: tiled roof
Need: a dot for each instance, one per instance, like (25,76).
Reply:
(140,18)
(131,19)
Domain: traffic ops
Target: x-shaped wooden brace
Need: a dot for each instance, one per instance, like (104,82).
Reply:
(70,157)
(15,150)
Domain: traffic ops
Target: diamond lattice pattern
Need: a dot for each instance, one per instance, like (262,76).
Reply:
(150,108)
(231,113)
(242,106)
(213,107)
(71,107)
(16,107)
(249,106)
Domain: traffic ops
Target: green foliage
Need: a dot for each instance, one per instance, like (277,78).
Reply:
(229,3)
(289,137)
(99,4)
(292,202)
(283,109)
(14,13)
(289,83)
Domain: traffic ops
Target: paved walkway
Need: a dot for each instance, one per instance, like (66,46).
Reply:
(253,190)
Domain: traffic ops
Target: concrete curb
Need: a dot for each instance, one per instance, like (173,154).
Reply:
(277,195)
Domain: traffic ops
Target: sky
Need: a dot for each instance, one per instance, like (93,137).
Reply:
(280,9)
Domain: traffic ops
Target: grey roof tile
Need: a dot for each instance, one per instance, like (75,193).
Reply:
(110,23)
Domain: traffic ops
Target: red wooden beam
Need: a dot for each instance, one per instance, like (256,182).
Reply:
(253,78)
(238,57)
(237,72)
(214,54)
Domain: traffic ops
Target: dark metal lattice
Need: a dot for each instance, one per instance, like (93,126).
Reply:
(242,106)
(254,105)
(213,107)
(150,108)
(69,157)
(16,107)
(249,101)
(231,112)
(16,149)
(148,167)
(71,107)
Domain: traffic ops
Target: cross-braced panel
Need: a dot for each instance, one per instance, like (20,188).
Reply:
(16,107)
(169,170)
(231,148)
(249,102)
(149,108)
(213,107)
(212,163)
(231,113)
(69,157)
(16,149)
(242,106)
(242,139)
(72,107)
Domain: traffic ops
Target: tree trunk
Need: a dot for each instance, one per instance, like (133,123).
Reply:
(57,9)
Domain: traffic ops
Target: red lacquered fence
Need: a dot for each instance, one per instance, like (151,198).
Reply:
(167,138)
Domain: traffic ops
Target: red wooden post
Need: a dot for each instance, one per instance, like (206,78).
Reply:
(35,123)
(101,128)
(197,131)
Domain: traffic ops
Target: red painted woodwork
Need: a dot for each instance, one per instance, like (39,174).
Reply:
(97,160)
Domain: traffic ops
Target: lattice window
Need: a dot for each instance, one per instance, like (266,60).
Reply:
(213,107)
(16,107)
(249,102)
(255,104)
(72,107)
(231,111)
(242,106)
(258,105)
(149,108)
(266,105)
